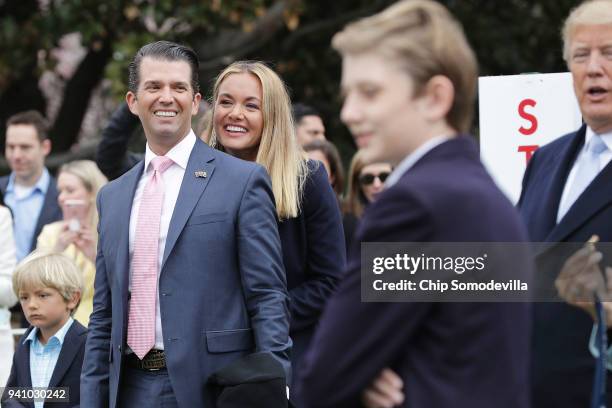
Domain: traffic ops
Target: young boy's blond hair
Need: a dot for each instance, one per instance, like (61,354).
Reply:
(44,268)
(426,40)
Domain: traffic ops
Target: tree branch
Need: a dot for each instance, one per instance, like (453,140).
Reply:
(234,44)
(77,95)
(334,23)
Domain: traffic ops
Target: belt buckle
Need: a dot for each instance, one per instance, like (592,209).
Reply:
(155,360)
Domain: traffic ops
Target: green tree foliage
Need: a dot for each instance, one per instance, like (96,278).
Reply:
(511,37)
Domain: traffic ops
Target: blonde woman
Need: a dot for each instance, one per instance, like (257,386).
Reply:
(75,235)
(252,120)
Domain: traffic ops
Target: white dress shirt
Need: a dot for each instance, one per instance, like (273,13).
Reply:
(604,159)
(412,158)
(172,179)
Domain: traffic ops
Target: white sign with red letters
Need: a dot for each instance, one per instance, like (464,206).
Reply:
(519,113)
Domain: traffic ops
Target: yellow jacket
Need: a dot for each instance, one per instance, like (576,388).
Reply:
(47,240)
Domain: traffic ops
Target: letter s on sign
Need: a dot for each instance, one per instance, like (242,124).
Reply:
(527,116)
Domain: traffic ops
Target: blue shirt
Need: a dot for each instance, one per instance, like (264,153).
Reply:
(26,211)
(44,357)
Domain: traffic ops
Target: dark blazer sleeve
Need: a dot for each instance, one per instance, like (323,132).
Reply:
(347,346)
(261,267)
(112,156)
(95,373)
(12,382)
(325,252)
(18,378)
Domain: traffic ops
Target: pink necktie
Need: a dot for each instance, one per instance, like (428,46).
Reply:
(141,318)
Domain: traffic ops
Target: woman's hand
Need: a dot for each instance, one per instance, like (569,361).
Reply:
(86,242)
(65,238)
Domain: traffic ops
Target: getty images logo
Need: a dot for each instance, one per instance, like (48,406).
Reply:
(414,264)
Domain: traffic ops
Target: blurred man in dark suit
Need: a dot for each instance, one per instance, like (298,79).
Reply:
(408,79)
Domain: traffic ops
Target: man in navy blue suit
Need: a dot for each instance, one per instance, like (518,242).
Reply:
(212,288)
(566,197)
(408,78)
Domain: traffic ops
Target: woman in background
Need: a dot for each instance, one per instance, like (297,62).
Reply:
(366,181)
(325,152)
(252,120)
(78,184)
(8,260)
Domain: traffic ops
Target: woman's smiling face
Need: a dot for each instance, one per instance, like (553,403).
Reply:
(238,117)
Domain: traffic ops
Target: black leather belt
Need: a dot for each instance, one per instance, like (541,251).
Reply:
(154,360)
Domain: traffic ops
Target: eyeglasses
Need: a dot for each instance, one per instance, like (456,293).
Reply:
(367,179)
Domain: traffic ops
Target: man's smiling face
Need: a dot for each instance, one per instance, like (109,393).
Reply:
(164,101)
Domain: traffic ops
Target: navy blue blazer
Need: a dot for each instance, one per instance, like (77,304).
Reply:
(222,288)
(562,368)
(50,211)
(313,249)
(314,257)
(67,371)
(449,354)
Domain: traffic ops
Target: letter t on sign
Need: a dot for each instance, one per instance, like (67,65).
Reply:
(528,150)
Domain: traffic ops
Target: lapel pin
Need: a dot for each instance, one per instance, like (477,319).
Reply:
(201,173)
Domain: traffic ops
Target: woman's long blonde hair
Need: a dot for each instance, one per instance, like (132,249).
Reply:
(278,150)
(355,201)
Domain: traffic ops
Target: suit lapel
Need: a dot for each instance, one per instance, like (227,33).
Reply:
(69,350)
(25,367)
(596,196)
(192,187)
(124,210)
(551,196)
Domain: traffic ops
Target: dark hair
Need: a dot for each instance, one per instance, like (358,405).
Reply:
(335,163)
(164,50)
(300,110)
(32,118)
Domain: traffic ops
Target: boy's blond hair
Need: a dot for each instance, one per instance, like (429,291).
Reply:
(426,40)
(44,268)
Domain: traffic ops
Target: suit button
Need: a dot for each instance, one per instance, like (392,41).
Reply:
(119,347)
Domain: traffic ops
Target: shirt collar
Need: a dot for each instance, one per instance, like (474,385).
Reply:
(605,137)
(60,335)
(179,153)
(41,185)
(412,158)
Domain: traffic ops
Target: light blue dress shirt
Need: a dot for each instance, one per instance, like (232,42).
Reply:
(26,211)
(43,358)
